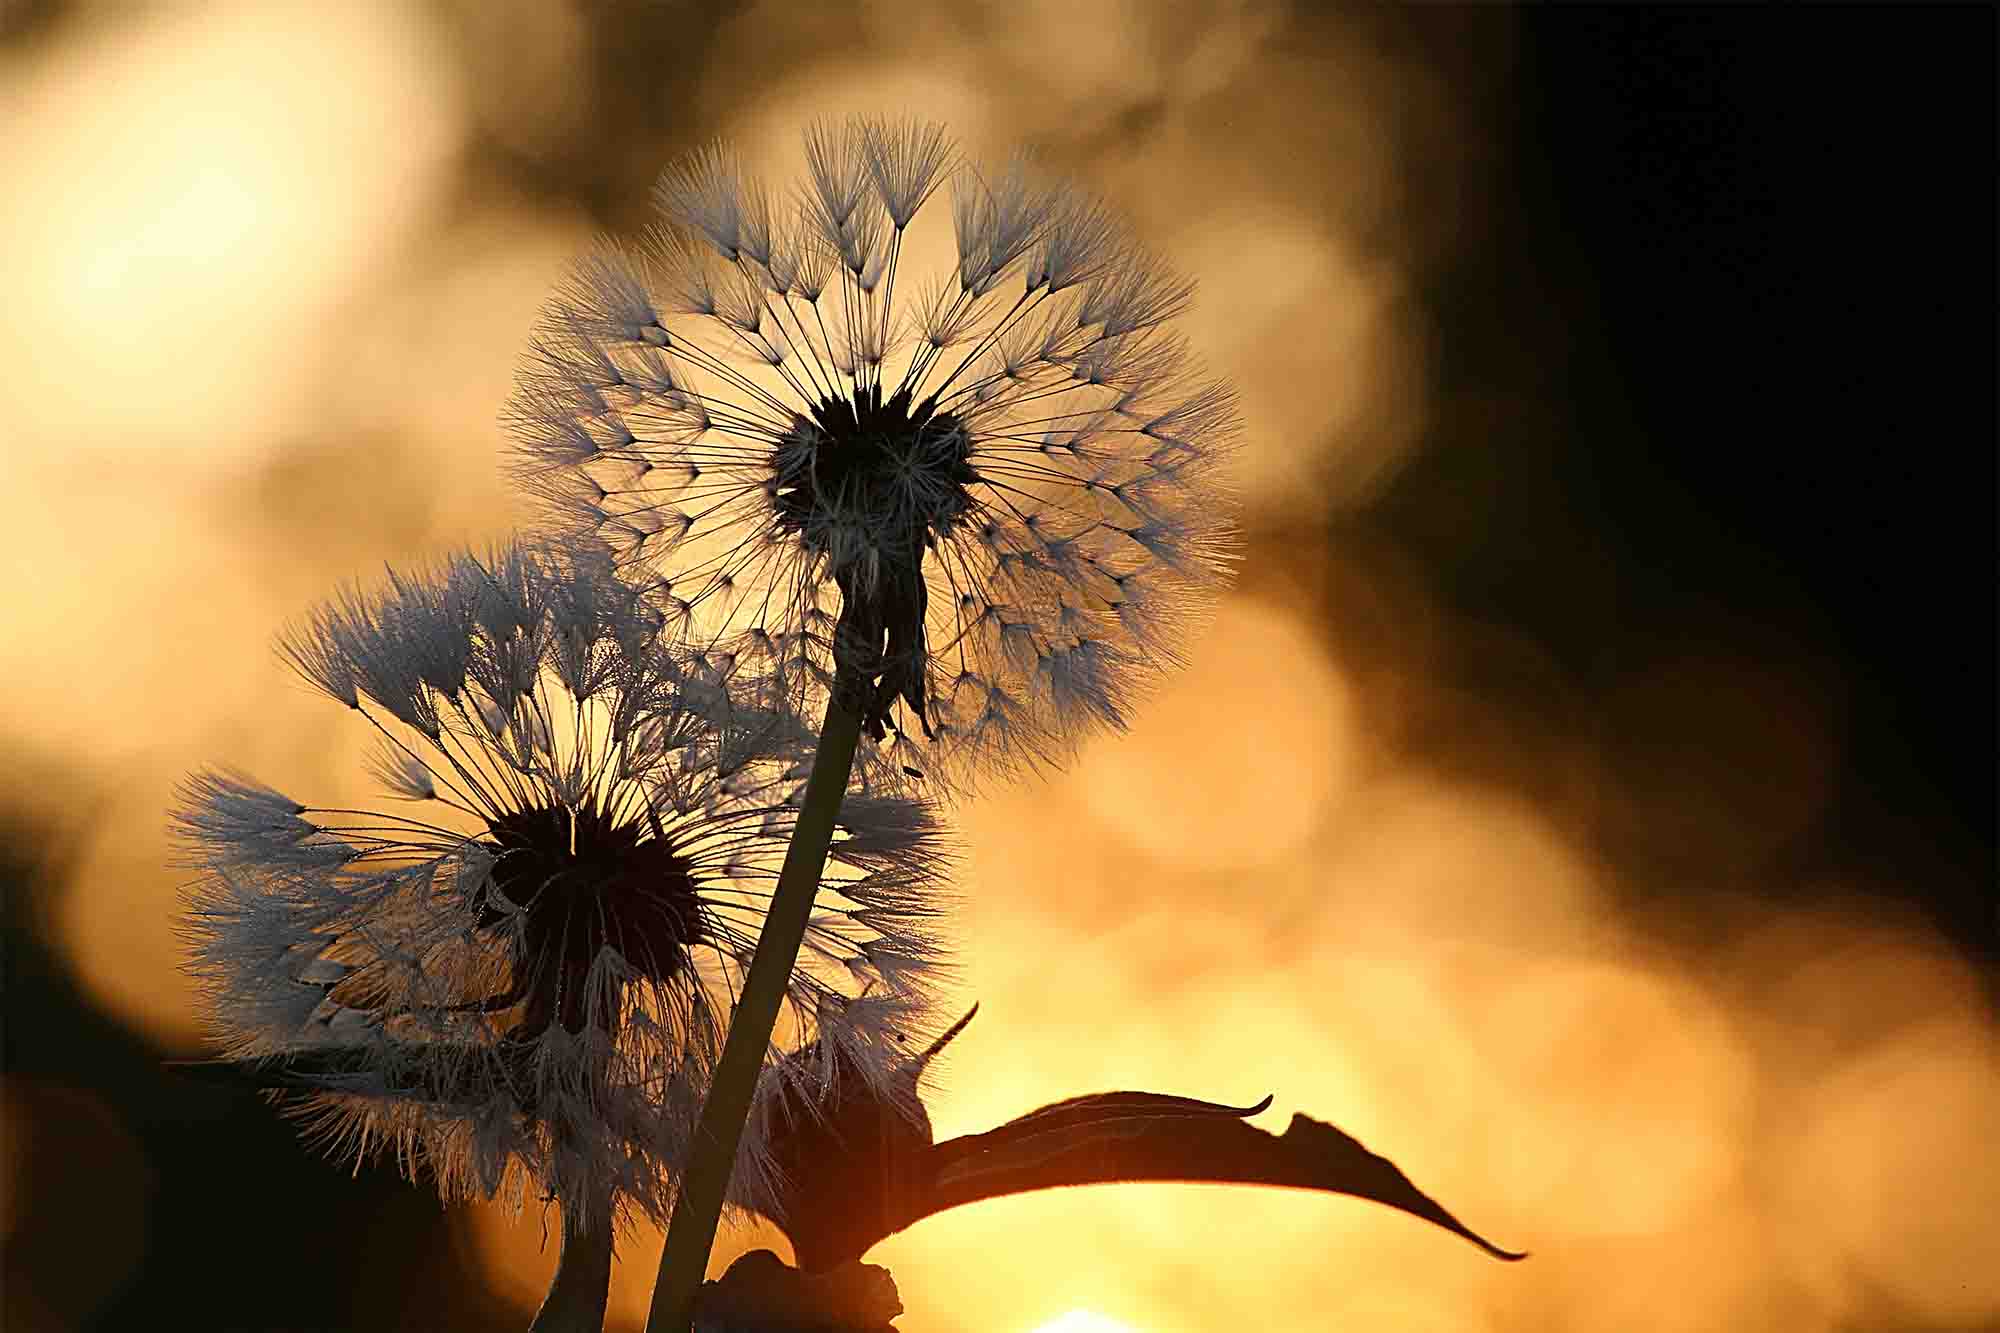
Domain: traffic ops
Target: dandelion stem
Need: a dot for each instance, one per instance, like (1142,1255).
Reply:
(698,1203)
(582,1285)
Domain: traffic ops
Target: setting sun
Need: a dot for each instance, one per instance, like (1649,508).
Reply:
(1084,1321)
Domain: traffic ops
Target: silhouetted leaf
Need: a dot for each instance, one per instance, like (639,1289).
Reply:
(1100,1140)
(860,1170)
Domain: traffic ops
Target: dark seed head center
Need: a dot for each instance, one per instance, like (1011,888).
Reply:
(899,468)
(581,880)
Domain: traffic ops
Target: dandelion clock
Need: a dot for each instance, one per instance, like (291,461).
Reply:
(978,502)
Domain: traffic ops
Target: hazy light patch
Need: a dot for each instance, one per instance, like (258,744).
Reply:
(1411,858)
(1315,339)
(767,132)
(1712,1269)
(435,343)
(118,915)
(1825,987)
(166,600)
(1635,1090)
(1413,1310)
(101,617)
(1235,760)
(529,75)
(1893,1172)
(190,232)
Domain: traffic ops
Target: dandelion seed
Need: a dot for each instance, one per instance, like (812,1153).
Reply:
(885,483)
(520,983)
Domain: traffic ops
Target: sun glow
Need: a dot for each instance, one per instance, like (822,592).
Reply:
(1084,1321)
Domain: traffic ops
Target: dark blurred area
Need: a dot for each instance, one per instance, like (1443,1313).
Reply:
(1690,551)
(1721,373)
(140,1197)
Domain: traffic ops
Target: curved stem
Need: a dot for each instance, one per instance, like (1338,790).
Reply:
(582,1285)
(698,1205)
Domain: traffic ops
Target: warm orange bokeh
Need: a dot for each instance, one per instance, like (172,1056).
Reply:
(258,343)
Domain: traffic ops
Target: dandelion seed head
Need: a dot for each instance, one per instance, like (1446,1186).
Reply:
(879,476)
(516,976)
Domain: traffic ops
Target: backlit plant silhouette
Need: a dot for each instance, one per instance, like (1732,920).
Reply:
(959,499)
(518,982)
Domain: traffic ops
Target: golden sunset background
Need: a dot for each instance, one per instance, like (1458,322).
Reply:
(1552,898)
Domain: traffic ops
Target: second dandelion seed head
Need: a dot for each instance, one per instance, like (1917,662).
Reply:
(520,979)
